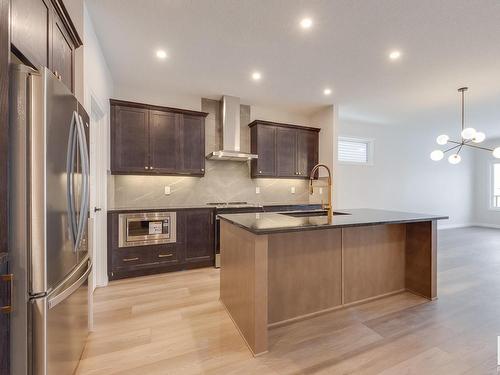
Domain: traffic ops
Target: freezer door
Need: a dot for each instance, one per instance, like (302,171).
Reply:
(53,253)
(60,325)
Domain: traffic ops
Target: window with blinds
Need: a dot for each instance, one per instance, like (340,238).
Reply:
(355,150)
(496,185)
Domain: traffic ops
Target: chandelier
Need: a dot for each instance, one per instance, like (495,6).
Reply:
(469,138)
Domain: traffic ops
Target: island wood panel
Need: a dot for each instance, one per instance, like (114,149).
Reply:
(421,258)
(373,261)
(243,283)
(305,273)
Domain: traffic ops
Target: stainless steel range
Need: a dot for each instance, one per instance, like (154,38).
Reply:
(229,208)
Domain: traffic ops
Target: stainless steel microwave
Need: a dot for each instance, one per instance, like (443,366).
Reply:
(148,228)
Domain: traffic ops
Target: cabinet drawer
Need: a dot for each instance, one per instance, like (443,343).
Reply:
(131,257)
(164,254)
(144,255)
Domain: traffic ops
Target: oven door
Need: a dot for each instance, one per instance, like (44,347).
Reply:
(147,229)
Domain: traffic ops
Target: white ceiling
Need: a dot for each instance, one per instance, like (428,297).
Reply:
(214,45)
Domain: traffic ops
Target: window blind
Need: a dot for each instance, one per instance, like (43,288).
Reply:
(353,151)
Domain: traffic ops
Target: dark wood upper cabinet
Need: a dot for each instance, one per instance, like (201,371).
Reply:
(62,53)
(199,243)
(307,151)
(162,140)
(263,143)
(192,138)
(42,34)
(285,150)
(31,25)
(130,139)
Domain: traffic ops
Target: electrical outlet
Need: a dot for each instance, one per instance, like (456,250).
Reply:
(292,190)
(167,190)
(257,190)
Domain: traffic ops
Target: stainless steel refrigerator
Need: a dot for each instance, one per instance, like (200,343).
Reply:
(49,205)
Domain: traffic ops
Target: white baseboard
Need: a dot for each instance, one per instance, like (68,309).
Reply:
(486,225)
(454,226)
(466,225)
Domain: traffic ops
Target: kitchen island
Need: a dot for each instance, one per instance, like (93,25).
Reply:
(277,268)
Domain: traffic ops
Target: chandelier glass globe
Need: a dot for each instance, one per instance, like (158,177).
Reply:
(468,133)
(479,137)
(442,139)
(437,155)
(455,159)
(496,152)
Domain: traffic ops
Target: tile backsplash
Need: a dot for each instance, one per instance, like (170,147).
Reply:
(223,181)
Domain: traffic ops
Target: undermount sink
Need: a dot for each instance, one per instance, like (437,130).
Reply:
(312,213)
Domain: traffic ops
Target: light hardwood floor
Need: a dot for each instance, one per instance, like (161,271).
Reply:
(175,324)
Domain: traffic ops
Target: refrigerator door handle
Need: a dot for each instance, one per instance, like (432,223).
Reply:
(82,143)
(87,166)
(70,163)
(59,297)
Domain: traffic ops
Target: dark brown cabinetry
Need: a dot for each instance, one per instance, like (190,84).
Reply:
(62,53)
(199,243)
(285,151)
(42,34)
(307,151)
(263,143)
(130,134)
(164,141)
(156,140)
(194,247)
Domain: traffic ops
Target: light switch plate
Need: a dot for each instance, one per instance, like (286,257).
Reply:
(320,191)
(257,190)
(292,190)
(167,190)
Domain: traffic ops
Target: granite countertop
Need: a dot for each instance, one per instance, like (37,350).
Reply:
(159,208)
(266,223)
(286,207)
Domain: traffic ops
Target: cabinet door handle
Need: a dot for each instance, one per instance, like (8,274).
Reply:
(203,169)
(150,167)
(165,255)
(130,259)
(146,168)
(260,171)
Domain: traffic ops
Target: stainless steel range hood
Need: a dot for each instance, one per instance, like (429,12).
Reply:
(231,133)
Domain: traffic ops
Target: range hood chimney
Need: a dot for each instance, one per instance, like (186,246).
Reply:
(231,133)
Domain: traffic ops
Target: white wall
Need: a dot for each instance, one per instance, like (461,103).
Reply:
(98,78)
(326,119)
(483,214)
(98,88)
(403,177)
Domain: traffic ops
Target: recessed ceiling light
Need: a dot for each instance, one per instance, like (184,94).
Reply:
(327,91)
(394,55)
(161,54)
(306,23)
(256,76)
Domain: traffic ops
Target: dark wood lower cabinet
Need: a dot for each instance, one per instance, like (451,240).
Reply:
(200,230)
(194,247)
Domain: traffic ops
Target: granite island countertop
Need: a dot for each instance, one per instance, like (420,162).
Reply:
(267,223)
